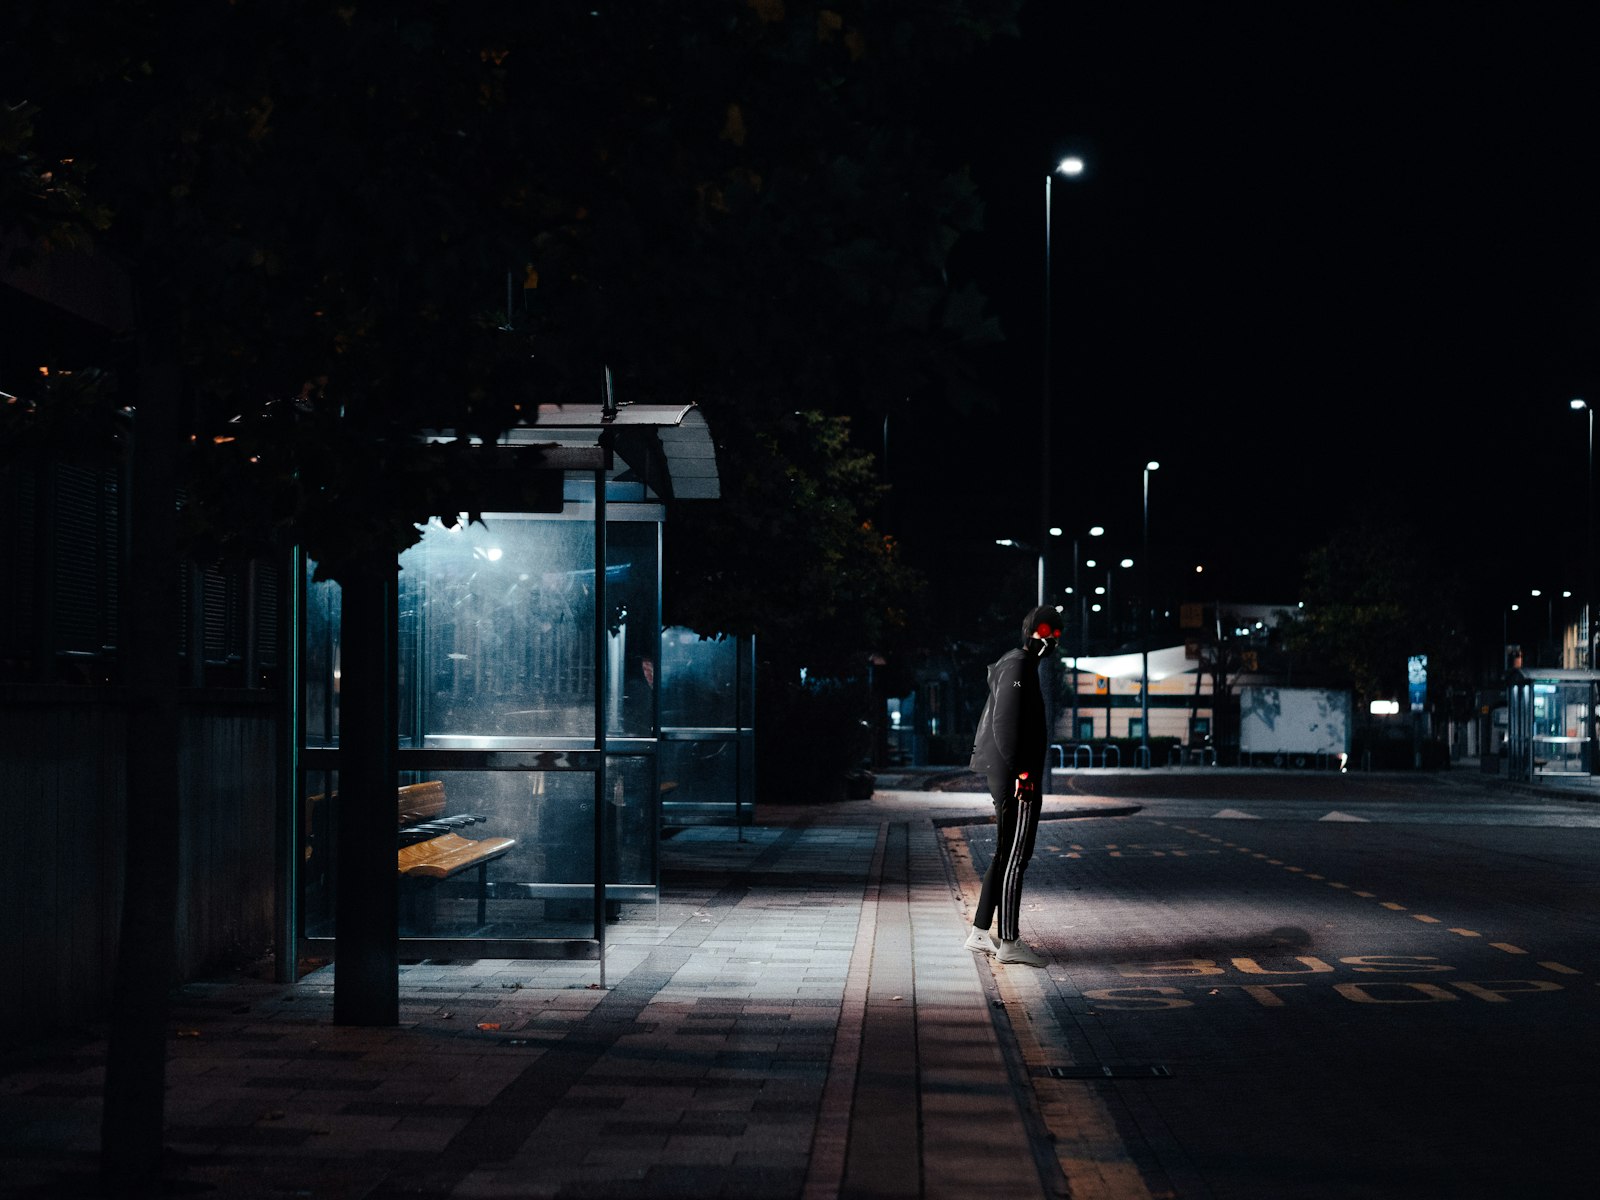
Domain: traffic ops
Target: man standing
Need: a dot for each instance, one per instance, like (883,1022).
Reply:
(1010,749)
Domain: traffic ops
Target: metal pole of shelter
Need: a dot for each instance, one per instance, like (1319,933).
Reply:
(600,716)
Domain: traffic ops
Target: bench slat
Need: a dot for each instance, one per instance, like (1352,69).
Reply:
(442,857)
(420,801)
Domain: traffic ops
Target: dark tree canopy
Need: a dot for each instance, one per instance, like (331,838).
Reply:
(352,222)
(1376,593)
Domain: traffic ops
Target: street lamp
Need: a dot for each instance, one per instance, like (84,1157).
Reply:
(1581,405)
(1081,642)
(1070,167)
(1144,630)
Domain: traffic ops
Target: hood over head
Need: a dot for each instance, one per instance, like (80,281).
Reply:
(1043,614)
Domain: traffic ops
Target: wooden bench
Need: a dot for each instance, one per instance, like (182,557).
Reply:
(420,807)
(440,852)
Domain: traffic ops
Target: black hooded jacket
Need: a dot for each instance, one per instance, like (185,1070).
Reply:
(1011,733)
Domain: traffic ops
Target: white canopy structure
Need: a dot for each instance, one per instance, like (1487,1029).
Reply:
(1167,661)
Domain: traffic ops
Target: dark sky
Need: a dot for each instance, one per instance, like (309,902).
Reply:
(1326,254)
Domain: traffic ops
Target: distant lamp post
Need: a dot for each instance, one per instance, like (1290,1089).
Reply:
(1144,630)
(1081,640)
(1581,405)
(1588,557)
(1070,167)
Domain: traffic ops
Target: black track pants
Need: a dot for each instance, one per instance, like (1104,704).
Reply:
(1002,882)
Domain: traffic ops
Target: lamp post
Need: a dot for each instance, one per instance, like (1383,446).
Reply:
(1081,642)
(1144,630)
(1070,167)
(1581,405)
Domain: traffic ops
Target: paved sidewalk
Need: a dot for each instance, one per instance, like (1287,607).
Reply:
(797,1018)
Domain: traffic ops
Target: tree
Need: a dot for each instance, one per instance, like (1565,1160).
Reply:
(346,225)
(818,584)
(1376,593)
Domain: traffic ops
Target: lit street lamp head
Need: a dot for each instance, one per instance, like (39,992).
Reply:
(1070,166)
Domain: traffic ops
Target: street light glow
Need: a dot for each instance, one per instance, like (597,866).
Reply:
(1070,166)
(1096,531)
(1152,466)
(1579,405)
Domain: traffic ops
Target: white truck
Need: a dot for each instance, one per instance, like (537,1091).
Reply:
(1294,727)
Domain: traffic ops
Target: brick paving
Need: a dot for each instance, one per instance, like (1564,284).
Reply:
(796,1018)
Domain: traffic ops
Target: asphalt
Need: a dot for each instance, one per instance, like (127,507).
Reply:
(796,1018)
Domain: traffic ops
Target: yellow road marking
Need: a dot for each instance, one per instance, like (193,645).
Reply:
(1390,904)
(1560,969)
(1422,917)
(1508,947)
(1467,932)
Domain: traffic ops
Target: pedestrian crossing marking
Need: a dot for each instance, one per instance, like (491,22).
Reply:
(1508,947)
(1233,814)
(1339,885)
(1560,968)
(1309,875)
(1339,816)
(1392,905)
(1424,918)
(1366,895)
(1467,932)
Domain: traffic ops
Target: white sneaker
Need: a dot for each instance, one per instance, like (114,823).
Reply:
(978,939)
(1017,952)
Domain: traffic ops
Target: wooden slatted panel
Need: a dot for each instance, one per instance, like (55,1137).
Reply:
(62,755)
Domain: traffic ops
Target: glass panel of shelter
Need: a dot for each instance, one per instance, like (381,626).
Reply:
(496,655)
(1558,729)
(706,728)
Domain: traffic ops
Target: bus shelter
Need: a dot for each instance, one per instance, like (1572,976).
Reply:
(1550,722)
(529,674)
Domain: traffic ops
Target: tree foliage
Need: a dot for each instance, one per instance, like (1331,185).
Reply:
(1377,593)
(362,221)
(346,224)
